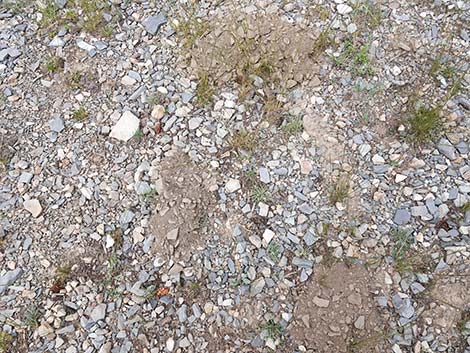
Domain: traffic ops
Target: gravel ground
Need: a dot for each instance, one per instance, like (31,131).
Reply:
(218,176)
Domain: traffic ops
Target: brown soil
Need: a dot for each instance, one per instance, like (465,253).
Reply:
(336,312)
(183,208)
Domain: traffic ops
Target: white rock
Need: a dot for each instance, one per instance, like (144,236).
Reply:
(126,127)
(128,81)
(170,344)
(232,185)
(33,206)
(344,9)
(158,112)
(194,123)
(86,192)
(399,178)
(377,159)
(98,313)
(268,235)
(172,234)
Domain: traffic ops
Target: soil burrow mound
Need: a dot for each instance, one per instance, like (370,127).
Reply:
(337,312)
(184,206)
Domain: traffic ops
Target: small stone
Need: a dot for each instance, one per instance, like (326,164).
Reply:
(268,235)
(360,322)
(320,302)
(98,313)
(153,23)
(128,81)
(25,177)
(158,112)
(33,206)
(402,216)
(264,175)
(170,344)
(232,185)
(173,234)
(257,286)
(447,149)
(344,9)
(126,127)
(56,124)
(305,166)
(194,123)
(9,278)
(399,178)
(305,208)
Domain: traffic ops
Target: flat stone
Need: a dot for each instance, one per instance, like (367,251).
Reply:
(33,206)
(232,185)
(360,322)
(25,177)
(56,124)
(297,261)
(9,278)
(126,127)
(153,23)
(268,235)
(447,149)
(172,234)
(402,216)
(320,302)
(257,286)
(194,123)
(264,175)
(98,313)
(305,208)
(344,9)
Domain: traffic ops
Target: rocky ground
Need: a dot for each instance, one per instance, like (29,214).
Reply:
(220,176)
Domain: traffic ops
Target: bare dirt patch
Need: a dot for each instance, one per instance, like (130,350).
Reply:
(184,206)
(449,305)
(336,312)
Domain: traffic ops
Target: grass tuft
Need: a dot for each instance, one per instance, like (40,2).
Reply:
(80,114)
(260,193)
(204,90)
(293,127)
(244,140)
(273,330)
(339,192)
(425,124)
(5,341)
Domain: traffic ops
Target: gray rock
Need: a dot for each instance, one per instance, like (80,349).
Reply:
(297,261)
(403,306)
(25,178)
(98,313)
(9,278)
(264,175)
(447,149)
(419,211)
(194,123)
(305,208)
(56,124)
(402,216)
(153,23)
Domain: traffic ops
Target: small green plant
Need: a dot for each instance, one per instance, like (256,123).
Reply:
(80,114)
(204,90)
(272,329)
(274,251)
(402,244)
(356,58)
(49,13)
(293,127)
(150,292)
(191,28)
(425,124)
(54,64)
(150,196)
(368,13)
(244,140)
(5,341)
(74,79)
(32,316)
(466,207)
(339,192)
(138,134)
(260,193)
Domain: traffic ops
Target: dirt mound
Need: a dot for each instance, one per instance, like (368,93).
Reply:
(238,47)
(183,207)
(337,312)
